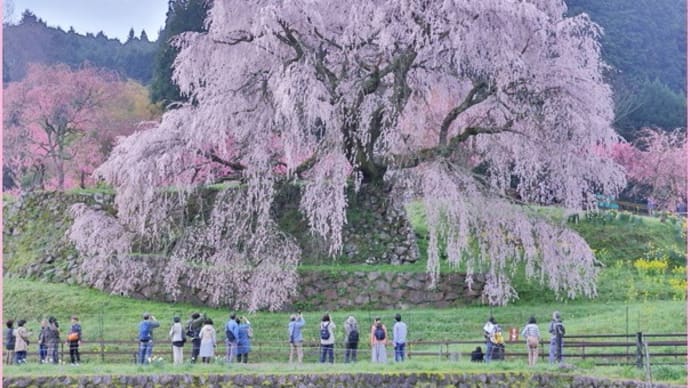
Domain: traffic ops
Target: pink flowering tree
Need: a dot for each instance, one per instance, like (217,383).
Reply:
(657,165)
(60,123)
(476,108)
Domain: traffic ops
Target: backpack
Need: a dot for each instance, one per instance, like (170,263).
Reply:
(379,333)
(229,334)
(325,334)
(560,329)
(353,337)
(191,333)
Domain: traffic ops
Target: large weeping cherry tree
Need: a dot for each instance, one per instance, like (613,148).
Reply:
(474,107)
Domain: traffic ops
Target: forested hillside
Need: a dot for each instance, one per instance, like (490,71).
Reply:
(32,41)
(645,43)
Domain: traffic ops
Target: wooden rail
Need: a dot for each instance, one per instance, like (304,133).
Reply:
(604,349)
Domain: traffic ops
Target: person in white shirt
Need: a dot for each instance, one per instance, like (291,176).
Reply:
(531,335)
(489,329)
(177,337)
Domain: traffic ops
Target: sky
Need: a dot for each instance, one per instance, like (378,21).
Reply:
(113,17)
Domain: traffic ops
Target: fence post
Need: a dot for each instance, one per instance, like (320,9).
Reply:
(101,320)
(640,354)
(102,350)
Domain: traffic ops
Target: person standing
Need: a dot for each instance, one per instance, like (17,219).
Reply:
(399,338)
(232,333)
(74,339)
(244,342)
(193,327)
(10,342)
(42,343)
(21,344)
(489,331)
(557,331)
(377,339)
(207,334)
(146,327)
(327,334)
(532,336)
(351,339)
(295,332)
(176,335)
(53,340)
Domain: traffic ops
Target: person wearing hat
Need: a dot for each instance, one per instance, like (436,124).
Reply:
(176,335)
(146,327)
(399,338)
(557,331)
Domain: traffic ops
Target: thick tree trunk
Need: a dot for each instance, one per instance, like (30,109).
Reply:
(377,229)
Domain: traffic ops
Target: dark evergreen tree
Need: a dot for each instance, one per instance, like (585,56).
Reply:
(32,41)
(182,15)
(130,36)
(143,37)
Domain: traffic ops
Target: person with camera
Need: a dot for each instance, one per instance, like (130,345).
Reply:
(295,332)
(193,326)
(146,327)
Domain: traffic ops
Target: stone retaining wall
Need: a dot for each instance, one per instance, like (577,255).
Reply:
(36,247)
(327,380)
(380,290)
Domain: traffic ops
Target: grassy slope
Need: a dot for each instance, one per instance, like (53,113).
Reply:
(32,300)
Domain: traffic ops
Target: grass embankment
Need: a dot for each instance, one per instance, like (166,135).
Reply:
(116,317)
(671,375)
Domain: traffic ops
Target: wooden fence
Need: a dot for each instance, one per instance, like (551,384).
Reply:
(608,349)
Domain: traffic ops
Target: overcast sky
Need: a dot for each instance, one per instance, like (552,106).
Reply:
(113,17)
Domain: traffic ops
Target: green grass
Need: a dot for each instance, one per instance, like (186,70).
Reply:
(631,239)
(32,301)
(674,375)
(621,308)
